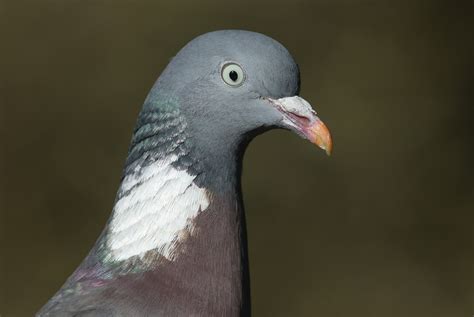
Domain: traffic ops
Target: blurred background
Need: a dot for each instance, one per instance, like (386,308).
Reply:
(384,227)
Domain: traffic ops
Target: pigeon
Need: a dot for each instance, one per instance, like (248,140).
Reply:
(176,243)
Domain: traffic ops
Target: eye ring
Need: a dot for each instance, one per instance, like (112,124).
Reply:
(232,74)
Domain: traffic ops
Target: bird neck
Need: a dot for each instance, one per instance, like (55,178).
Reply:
(178,218)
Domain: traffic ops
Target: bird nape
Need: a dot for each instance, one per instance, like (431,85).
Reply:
(175,243)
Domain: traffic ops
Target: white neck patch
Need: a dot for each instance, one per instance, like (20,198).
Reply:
(162,202)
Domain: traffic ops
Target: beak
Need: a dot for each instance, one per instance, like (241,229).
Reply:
(299,116)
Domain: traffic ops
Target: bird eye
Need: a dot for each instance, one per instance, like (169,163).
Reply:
(232,74)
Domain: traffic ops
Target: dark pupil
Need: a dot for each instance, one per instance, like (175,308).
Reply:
(233,75)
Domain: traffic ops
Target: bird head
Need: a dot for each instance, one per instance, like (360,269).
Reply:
(232,85)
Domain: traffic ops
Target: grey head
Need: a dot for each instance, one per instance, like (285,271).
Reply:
(232,85)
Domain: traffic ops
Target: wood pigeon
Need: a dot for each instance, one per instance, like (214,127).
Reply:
(175,243)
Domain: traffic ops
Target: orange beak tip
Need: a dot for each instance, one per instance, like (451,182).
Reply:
(319,134)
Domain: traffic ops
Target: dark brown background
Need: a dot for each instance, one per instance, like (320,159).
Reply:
(382,228)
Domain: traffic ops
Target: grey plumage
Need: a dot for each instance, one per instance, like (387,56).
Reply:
(204,124)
